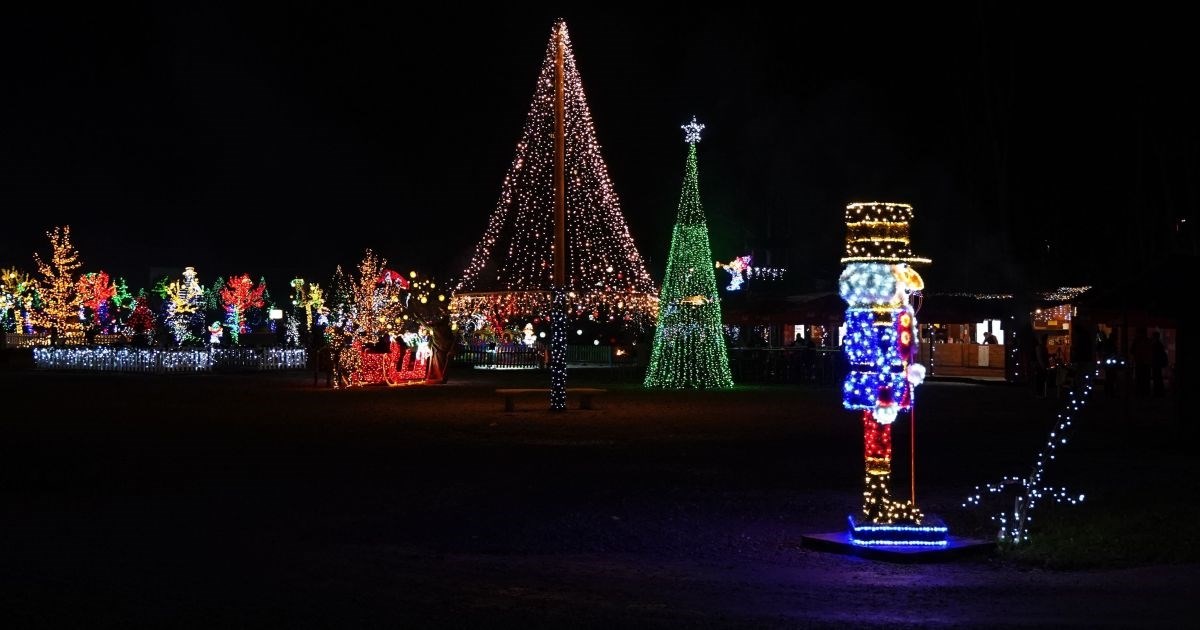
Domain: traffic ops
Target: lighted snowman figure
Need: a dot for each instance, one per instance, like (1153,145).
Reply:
(530,338)
(215,331)
(881,342)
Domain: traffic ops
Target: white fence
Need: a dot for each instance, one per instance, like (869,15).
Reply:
(22,340)
(260,358)
(154,361)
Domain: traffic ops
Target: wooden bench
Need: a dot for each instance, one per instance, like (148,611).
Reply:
(584,393)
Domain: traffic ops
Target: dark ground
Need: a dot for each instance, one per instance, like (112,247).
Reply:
(251,500)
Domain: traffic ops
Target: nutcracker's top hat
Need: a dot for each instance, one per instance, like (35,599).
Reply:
(878,232)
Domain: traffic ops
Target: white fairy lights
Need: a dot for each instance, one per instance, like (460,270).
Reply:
(1063,294)
(512,265)
(152,360)
(184,301)
(691,131)
(1014,524)
(1052,317)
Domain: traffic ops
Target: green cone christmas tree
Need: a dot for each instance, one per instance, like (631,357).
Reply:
(689,343)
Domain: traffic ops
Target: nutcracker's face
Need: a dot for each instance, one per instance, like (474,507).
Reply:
(867,285)
(878,285)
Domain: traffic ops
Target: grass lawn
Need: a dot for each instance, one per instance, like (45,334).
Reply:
(251,499)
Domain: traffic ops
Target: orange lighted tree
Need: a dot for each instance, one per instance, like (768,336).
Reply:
(60,301)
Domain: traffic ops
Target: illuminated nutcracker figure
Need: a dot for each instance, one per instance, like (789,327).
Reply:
(881,350)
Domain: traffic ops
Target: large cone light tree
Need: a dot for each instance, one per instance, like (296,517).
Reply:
(512,269)
(557,246)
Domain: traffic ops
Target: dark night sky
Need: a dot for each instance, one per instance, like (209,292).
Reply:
(286,140)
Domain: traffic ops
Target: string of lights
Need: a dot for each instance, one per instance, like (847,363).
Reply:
(977,296)
(878,231)
(558,351)
(689,344)
(765,273)
(867,534)
(156,361)
(501,310)
(1031,489)
(606,277)
(1063,294)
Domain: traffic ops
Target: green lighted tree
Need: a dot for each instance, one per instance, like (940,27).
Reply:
(689,343)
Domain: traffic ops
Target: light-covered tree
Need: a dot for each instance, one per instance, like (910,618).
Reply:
(238,296)
(95,291)
(184,306)
(60,300)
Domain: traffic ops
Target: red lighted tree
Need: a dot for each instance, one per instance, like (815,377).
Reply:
(238,295)
(94,291)
(141,320)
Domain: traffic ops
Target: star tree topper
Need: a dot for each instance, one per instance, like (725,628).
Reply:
(691,131)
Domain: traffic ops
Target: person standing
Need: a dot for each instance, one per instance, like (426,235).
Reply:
(1140,350)
(1106,352)
(1158,361)
(1041,365)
